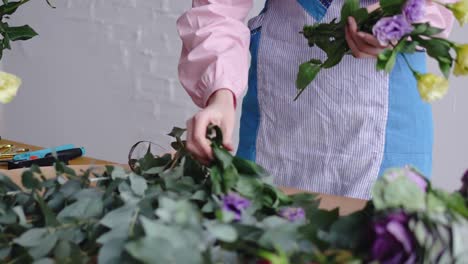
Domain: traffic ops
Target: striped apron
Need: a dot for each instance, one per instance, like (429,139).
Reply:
(352,123)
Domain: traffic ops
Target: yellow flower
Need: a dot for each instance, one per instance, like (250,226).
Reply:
(460,11)
(9,85)
(461,63)
(431,87)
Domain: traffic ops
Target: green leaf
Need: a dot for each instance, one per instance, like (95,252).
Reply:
(82,209)
(29,181)
(247,167)
(209,207)
(62,168)
(199,195)
(48,214)
(433,31)
(44,261)
(392,7)
(335,53)
(454,202)
(145,251)
(177,132)
(7,217)
(349,7)
(307,73)
(119,217)
(138,184)
(20,33)
(69,253)
(32,237)
(8,184)
(437,48)
(47,244)
(70,188)
(420,29)
(119,173)
(445,66)
(425,29)
(62,249)
(230,177)
(409,47)
(280,234)
(223,156)
(180,212)
(223,232)
(360,15)
(348,232)
(111,252)
(21,216)
(10,7)
(216,180)
(248,187)
(386,60)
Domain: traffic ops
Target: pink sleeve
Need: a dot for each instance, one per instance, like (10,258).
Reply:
(439,16)
(215,52)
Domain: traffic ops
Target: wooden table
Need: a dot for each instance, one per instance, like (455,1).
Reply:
(329,202)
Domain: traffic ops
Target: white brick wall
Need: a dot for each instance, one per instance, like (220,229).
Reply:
(102,74)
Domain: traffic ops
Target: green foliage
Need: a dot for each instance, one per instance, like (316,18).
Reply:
(170,210)
(392,7)
(13,33)
(330,38)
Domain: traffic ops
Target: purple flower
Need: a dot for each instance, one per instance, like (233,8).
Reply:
(235,204)
(414,10)
(389,29)
(393,242)
(292,213)
(464,189)
(411,174)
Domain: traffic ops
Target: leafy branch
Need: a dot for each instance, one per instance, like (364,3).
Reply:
(13,33)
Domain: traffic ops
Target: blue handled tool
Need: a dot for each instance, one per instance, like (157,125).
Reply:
(38,154)
(63,156)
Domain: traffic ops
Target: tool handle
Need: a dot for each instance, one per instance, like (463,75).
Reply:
(48,160)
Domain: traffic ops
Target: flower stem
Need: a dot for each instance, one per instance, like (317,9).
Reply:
(416,73)
(133,222)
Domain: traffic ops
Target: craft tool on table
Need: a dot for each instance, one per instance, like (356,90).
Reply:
(7,151)
(23,158)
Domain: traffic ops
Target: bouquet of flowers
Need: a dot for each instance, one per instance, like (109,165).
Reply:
(171,209)
(9,83)
(395,24)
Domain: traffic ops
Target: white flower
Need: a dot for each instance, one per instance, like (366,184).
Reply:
(9,85)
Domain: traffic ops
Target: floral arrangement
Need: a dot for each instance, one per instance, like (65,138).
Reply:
(394,24)
(9,83)
(171,209)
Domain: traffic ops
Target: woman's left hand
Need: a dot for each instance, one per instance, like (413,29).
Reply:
(362,45)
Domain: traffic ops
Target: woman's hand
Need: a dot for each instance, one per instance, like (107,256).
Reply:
(362,45)
(220,112)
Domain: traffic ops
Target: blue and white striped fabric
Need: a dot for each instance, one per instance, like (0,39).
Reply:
(351,124)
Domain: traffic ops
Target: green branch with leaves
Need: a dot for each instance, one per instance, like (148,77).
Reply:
(13,33)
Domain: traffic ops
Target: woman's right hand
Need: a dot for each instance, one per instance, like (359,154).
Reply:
(221,112)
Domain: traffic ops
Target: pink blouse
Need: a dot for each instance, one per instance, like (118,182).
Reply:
(215,52)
